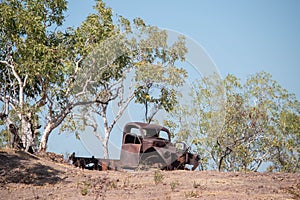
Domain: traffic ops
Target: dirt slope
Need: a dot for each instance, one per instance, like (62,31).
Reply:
(24,176)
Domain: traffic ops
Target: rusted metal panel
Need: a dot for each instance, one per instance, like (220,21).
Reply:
(168,154)
(146,126)
(130,155)
(110,164)
(146,145)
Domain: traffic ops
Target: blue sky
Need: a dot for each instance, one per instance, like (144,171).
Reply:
(242,38)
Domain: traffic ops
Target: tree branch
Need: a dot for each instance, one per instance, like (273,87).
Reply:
(121,111)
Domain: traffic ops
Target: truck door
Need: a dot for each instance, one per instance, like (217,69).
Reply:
(130,153)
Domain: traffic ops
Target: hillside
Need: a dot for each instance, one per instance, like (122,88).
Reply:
(25,176)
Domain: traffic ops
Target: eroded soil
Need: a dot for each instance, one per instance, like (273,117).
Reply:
(25,176)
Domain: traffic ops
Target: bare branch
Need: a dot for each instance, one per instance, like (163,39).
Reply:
(121,111)
(73,77)
(25,81)
(6,63)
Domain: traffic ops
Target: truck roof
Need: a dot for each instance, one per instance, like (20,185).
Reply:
(142,125)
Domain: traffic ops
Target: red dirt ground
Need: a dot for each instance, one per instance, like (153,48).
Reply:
(25,176)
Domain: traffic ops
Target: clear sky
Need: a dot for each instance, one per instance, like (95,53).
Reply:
(242,37)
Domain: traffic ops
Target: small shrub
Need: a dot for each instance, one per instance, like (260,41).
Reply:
(113,184)
(158,177)
(85,188)
(84,191)
(173,185)
(191,194)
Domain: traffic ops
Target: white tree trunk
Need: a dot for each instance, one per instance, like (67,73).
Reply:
(105,147)
(26,132)
(45,137)
(108,128)
(51,125)
(106,132)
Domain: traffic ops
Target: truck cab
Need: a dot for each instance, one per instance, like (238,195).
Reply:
(150,145)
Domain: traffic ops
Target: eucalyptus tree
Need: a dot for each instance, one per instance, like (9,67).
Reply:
(158,74)
(118,70)
(275,117)
(76,87)
(30,61)
(48,72)
(40,64)
(261,125)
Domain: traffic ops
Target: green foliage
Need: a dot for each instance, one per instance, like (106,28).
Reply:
(258,122)
(158,177)
(115,51)
(233,125)
(27,42)
(30,58)
(4,138)
(191,194)
(157,75)
(173,185)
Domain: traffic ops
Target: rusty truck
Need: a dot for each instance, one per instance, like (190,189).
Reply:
(146,146)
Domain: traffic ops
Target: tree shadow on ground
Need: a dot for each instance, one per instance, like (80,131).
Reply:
(21,167)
